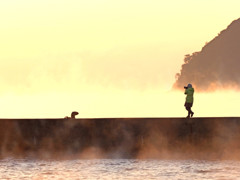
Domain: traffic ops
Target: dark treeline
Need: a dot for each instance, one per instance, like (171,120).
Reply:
(216,66)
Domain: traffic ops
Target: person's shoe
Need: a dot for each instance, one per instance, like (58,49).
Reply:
(192,114)
(188,116)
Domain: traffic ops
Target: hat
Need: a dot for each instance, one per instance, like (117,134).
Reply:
(189,86)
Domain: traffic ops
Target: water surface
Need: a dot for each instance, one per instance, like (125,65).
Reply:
(119,169)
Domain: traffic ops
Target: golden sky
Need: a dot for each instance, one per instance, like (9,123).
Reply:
(103,58)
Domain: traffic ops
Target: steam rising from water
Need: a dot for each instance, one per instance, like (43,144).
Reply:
(121,138)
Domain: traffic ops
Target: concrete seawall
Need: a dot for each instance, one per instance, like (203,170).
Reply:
(121,138)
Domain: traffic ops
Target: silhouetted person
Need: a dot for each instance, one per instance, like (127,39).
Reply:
(189,99)
(74,113)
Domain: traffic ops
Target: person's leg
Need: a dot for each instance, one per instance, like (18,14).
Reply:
(189,111)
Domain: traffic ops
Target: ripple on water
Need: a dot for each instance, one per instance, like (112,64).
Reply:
(118,169)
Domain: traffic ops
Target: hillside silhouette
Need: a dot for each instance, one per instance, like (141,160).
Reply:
(217,65)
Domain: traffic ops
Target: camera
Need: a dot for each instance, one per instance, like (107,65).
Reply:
(185,87)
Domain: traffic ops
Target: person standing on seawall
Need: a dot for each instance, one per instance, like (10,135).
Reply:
(189,91)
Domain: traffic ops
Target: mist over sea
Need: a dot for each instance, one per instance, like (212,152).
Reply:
(137,148)
(118,169)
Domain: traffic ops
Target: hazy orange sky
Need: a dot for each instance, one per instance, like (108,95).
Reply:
(106,58)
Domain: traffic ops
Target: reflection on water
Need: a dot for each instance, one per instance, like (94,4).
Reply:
(118,169)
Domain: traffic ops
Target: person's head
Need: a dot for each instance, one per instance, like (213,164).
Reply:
(189,85)
(74,113)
